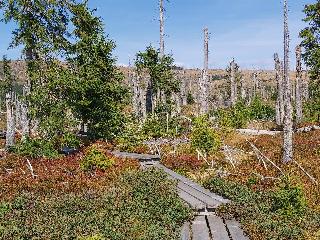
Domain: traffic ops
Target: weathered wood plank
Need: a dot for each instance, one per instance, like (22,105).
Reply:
(200,230)
(235,230)
(193,202)
(209,201)
(192,184)
(185,231)
(217,228)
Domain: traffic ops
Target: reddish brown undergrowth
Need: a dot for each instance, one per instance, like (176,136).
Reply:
(56,176)
(183,162)
(306,160)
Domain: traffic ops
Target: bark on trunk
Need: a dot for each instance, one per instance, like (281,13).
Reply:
(298,85)
(279,80)
(10,120)
(233,97)
(161,9)
(25,120)
(288,125)
(203,97)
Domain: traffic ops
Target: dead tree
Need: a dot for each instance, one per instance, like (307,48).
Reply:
(203,80)
(279,80)
(242,89)
(298,85)
(11,127)
(161,9)
(288,124)
(233,83)
(135,92)
(18,112)
(25,120)
(183,89)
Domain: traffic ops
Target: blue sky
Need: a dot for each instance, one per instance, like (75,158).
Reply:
(248,30)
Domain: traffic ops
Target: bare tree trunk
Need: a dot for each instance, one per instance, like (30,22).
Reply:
(143,100)
(306,87)
(10,120)
(135,93)
(279,80)
(288,124)
(25,120)
(233,97)
(18,112)
(242,89)
(298,85)
(203,97)
(161,28)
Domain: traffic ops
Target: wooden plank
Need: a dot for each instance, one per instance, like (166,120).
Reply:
(192,184)
(217,228)
(235,230)
(194,203)
(185,232)
(200,230)
(209,201)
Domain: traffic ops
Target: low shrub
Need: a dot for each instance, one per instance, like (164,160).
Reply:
(36,148)
(239,115)
(273,215)
(163,125)
(69,140)
(140,205)
(96,158)
(131,137)
(203,137)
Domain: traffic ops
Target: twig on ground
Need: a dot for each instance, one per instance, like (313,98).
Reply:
(31,168)
(303,170)
(229,155)
(204,158)
(266,158)
(258,154)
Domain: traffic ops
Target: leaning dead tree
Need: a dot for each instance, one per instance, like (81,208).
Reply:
(233,82)
(298,85)
(203,80)
(288,124)
(279,80)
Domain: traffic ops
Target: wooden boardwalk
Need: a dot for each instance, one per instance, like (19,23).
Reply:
(206,225)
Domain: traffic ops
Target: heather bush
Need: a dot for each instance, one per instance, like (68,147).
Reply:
(280,214)
(140,205)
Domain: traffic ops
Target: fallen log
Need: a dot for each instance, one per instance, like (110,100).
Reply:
(254,132)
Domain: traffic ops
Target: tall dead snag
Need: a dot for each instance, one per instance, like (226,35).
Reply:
(161,9)
(10,119)
(203,80)
(135,92)
(233,82)
(279,80)
(25,121)
(288,124)
(183,89)
(298,85)
(242,89)
(18,112)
